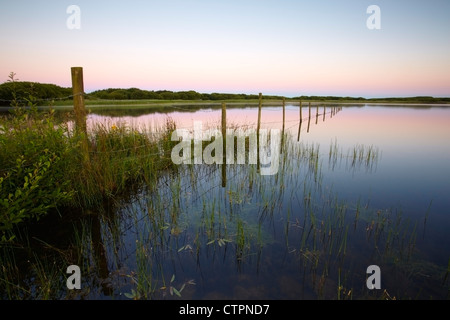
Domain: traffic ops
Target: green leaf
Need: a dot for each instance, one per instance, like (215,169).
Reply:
(173,279)
(176,292)
(129,295)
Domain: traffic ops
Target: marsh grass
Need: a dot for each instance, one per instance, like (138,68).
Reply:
(356,158)
(43,167)
(43,170)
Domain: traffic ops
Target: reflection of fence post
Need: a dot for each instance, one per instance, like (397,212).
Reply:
(259,113)
(317,113)
(78,99)
(257,131)
(301,111)
(324,112)
(299,130)
(224,146)
(300,123)
(284,121)
(100,254)
(309,117)
(224,121)
(310,110)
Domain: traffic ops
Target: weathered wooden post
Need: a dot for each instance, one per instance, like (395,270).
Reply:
(224,146)
(80,110)
(324,112)
(78,99)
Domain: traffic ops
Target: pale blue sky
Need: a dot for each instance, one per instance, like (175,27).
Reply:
(286,47)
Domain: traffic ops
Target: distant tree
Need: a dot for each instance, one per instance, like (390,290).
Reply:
(23,89)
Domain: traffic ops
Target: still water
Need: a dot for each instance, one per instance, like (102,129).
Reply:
(356,186)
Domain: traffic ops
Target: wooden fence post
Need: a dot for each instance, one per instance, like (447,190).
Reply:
(78,99)
(80,110)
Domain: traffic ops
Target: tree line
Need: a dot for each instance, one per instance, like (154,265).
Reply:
(25,90)
(42,93)
(138,94)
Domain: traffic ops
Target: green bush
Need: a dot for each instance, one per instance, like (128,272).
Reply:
(34,154)
(29,192)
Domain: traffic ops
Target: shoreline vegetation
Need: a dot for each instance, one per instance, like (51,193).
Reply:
(50,95)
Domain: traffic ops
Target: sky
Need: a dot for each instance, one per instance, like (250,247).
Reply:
(283,47)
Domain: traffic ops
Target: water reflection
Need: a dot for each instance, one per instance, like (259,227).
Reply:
(341,200)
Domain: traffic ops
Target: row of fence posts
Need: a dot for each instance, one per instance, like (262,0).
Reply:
(333,112)
(80,118)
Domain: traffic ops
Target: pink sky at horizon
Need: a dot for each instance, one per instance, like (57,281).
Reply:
(292,49)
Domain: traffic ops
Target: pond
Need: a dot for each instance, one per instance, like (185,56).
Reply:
(355,186)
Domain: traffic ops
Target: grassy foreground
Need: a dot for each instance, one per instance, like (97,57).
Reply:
(46,165)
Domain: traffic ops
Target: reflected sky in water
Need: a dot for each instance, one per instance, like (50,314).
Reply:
(413,143)
(408,177)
